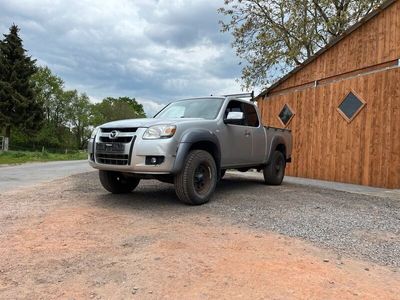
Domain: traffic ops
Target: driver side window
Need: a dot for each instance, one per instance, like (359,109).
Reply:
(234,106)
(248,110)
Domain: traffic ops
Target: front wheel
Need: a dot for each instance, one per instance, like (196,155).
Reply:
(117,183)
(196,182)
(275,170)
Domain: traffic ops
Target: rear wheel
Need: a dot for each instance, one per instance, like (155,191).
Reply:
(275,170)
(117,183)
(196,183)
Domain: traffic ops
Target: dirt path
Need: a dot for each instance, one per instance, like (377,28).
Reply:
(68,239)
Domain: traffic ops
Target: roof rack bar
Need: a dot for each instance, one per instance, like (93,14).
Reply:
(242,95)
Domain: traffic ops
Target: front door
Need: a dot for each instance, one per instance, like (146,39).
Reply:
(237,140)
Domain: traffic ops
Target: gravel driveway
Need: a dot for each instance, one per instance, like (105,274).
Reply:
(70,239)
(352,224)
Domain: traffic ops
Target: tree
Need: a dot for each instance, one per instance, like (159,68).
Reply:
(111,109)
(273,36)
(49,93)
(18,105)
(78,114)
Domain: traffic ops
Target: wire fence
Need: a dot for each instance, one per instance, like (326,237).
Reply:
(39,148)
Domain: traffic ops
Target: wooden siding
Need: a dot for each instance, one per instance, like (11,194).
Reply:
(376,42)
(366,150)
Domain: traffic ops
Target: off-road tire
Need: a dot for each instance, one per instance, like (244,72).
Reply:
(275,170)
(117,183)
(196,182)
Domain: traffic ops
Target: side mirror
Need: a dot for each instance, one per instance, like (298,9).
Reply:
(234,118)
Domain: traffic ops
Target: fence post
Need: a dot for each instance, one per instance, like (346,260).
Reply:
(42,149)
(5,144)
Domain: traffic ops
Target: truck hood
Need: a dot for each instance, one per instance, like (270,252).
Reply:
(147,122)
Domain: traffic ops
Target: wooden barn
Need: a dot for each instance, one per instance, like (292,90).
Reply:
(343,105)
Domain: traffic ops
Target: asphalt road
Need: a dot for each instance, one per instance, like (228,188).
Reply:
(13,177)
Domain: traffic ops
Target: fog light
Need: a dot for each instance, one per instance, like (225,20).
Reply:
(154,160)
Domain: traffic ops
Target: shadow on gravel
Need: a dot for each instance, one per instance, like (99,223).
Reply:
(153,196)
(357,225)
(140,199)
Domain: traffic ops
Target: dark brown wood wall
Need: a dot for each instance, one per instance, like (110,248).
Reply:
(365,151)
(375,42)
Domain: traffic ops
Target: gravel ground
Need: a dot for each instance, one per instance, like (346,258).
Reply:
(71,239)
(355,225)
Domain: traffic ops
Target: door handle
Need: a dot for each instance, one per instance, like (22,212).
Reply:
(247,133)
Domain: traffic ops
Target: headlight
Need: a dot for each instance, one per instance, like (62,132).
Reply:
(159,132)
(94,132)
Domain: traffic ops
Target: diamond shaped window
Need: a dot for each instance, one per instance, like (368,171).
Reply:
(351,106)
(286,115)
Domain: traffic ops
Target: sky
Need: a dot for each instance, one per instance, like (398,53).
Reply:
(155,50)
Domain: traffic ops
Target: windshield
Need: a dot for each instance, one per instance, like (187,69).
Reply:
(205,108)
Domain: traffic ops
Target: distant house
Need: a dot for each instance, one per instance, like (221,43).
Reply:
(343,105)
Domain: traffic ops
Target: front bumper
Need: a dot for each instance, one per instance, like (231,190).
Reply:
(131,157)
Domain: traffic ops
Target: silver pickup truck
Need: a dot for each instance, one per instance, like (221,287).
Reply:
(190,143)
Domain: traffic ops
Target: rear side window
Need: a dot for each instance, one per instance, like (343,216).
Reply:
(250,115)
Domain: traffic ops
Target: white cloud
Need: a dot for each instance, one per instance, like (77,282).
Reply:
(154,51)
(150,107)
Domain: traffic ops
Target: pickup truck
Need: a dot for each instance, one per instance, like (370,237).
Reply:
(190,143)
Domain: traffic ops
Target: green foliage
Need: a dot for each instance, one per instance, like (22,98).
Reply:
(78,114)
(49,93)
(18,105)
(35,103)
(14,157)
(273,36)
(111,109)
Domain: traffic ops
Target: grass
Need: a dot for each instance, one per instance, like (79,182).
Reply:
(17,157)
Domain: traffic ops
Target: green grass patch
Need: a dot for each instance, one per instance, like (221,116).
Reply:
(17,157)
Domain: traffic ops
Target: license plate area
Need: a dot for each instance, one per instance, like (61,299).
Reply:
(110,147)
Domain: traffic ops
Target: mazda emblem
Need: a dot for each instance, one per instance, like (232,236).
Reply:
(114,134)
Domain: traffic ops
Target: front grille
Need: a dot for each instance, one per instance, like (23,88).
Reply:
(115,151)
(126,129)
(121,139)
(112,159)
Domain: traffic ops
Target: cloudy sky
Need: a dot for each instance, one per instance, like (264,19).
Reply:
(154,50)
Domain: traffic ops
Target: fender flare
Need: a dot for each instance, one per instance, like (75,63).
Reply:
(191,137)
(276,140)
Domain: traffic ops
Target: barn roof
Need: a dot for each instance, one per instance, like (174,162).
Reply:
(331,44)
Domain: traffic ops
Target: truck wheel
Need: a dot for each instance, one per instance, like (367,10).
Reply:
(196,182)
(117,183)
(275,171)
